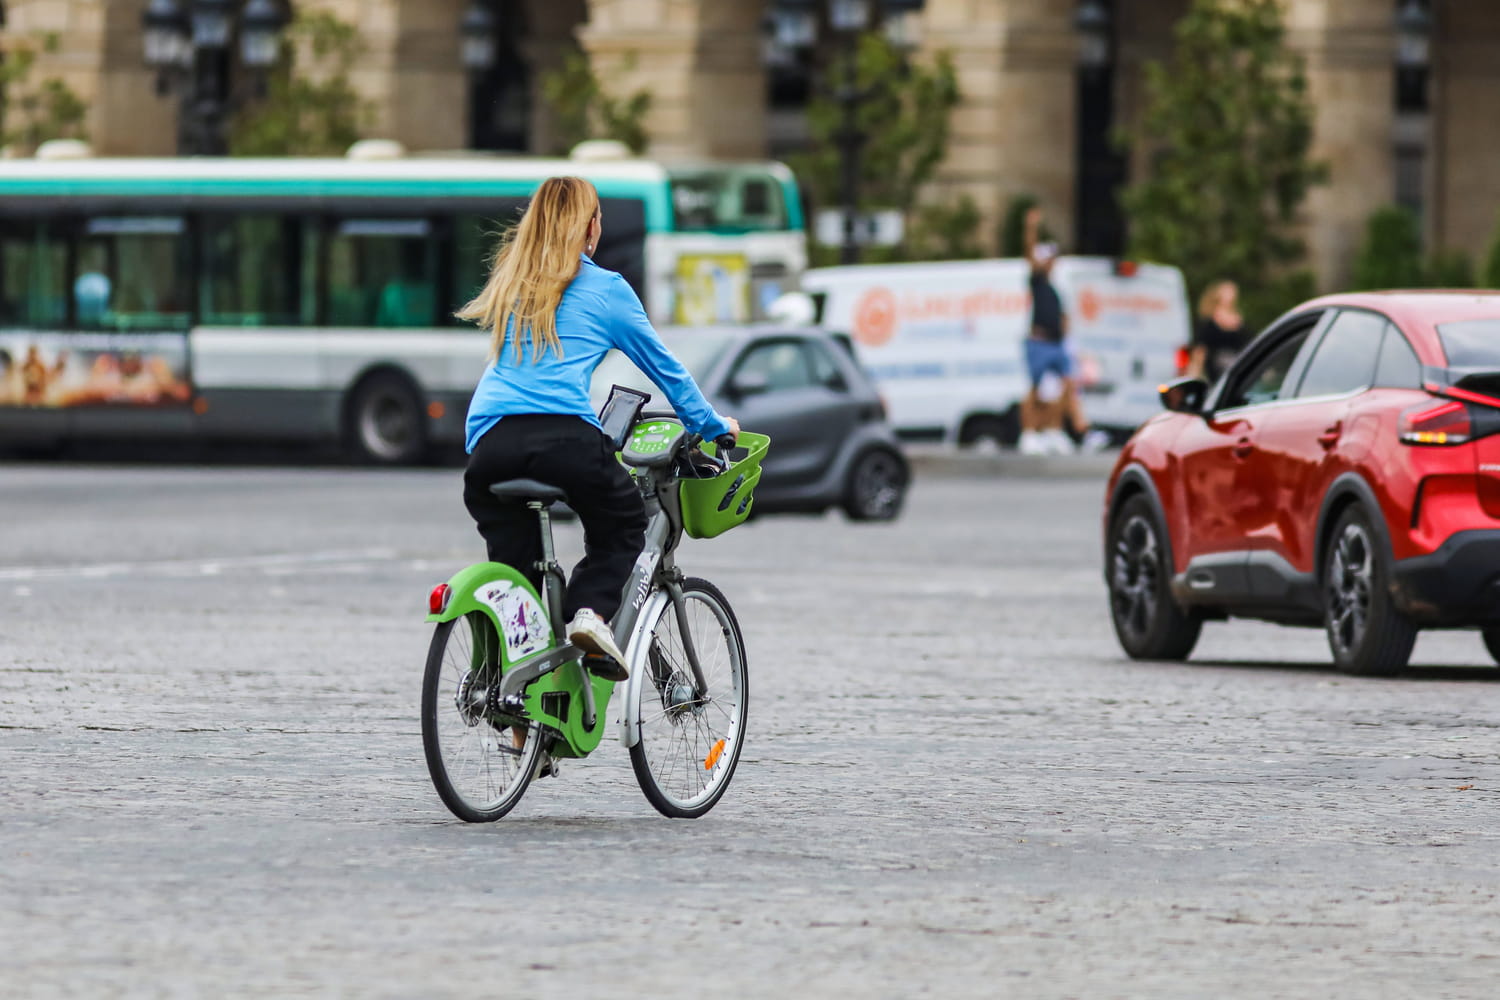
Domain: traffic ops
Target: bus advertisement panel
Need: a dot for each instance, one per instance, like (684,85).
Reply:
(57,370)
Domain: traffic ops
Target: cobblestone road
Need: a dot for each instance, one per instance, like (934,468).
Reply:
(954,784)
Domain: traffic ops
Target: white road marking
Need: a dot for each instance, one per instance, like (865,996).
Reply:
(279,564)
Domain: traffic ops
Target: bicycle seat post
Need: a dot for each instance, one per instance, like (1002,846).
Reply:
(552,575)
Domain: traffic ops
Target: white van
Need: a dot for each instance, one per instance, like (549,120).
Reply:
(943,341)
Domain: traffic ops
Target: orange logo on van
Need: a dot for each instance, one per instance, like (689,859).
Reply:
(875,317)
(1088,304)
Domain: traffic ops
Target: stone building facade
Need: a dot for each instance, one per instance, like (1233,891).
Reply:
(1017,129)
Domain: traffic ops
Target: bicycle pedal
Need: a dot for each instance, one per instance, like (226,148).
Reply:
(606,667)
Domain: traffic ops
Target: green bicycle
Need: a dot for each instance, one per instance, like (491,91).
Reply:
(504,695)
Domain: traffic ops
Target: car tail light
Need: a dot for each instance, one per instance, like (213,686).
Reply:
(437,601)
(1441,422)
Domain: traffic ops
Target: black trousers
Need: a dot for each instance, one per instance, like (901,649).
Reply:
(573,455)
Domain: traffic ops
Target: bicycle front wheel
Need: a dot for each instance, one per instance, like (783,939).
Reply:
(690,741)
(479,760)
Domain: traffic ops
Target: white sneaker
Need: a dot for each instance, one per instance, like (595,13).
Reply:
(1031,443)
(1093,441)
(1057,442)
(591,634)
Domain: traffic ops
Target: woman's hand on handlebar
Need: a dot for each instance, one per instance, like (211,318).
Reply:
(728,440)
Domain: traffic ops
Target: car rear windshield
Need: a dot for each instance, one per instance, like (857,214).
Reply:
(1471,343)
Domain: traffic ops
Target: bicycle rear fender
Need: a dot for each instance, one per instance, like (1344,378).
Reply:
(635,654)
(503,594)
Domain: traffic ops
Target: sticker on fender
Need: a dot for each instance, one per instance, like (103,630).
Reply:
(523,623)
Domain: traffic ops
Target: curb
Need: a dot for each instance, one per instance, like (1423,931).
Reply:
(947,461)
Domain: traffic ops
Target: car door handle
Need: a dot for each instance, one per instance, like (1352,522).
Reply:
(1330,436)
(1242,448)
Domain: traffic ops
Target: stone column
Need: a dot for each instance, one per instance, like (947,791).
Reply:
(1013,132)
(99,57)
(1349,46)
(701,62)
(428,97)
(1464,165)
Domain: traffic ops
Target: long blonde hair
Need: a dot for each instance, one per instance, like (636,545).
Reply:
(536,261)
(1208,302)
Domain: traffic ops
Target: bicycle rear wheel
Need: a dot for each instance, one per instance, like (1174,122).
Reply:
(689,745)
(479,770)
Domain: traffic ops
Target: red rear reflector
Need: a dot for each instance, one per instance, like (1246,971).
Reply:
(1181,359)
(437,601)
(1440,423)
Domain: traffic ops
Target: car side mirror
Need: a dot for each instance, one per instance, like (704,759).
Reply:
(1184,395)
(749,384)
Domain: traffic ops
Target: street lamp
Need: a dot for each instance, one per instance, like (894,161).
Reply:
(189,44)
(1413,35)
(849,18)
(1413,58)
(476,31)
(1091,21)
(1100,168)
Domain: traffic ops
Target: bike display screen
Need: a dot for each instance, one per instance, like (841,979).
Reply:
(620,411)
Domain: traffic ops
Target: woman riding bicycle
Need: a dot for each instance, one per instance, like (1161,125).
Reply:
(553,314)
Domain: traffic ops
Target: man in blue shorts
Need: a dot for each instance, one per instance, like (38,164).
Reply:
(1042,420)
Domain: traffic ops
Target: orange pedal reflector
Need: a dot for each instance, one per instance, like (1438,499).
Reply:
(713,756)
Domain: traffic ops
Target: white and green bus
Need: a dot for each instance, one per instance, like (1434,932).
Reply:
(306,299)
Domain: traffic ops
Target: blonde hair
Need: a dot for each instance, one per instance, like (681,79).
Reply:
(1209,300)
(536,261)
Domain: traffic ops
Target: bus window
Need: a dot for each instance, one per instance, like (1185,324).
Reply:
(475,239)
(132,274)
(33,276)
(382,272)
(252,270)
(728,199)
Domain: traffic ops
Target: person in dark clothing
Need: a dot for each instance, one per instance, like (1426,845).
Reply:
(1219,335)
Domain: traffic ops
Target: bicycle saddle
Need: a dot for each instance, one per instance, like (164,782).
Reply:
(527,489)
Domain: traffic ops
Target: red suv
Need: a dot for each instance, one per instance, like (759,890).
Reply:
(1344,472)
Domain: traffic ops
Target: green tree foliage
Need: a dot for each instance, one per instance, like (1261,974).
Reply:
(310,108)
(582,109)
(903,117)
(1449,269)
(1013,226)
(1229,129)
(945,230)
(1391,255)
(1489,276)
(33,111)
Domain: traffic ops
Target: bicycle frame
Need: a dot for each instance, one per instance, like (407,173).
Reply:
(542,673)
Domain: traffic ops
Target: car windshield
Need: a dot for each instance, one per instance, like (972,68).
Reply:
(1471,343)
(696,349)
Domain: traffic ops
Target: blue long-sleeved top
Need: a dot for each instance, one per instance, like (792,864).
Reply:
(599,310)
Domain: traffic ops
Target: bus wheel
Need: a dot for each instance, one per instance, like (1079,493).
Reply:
(385,421)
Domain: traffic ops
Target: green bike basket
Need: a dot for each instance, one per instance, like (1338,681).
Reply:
(714,505)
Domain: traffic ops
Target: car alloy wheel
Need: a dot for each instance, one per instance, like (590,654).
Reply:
(1136,572)
(1148,621)
(877,487)
(1367,634)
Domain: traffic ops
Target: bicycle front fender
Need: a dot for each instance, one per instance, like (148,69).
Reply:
(638,663)
(506,597)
